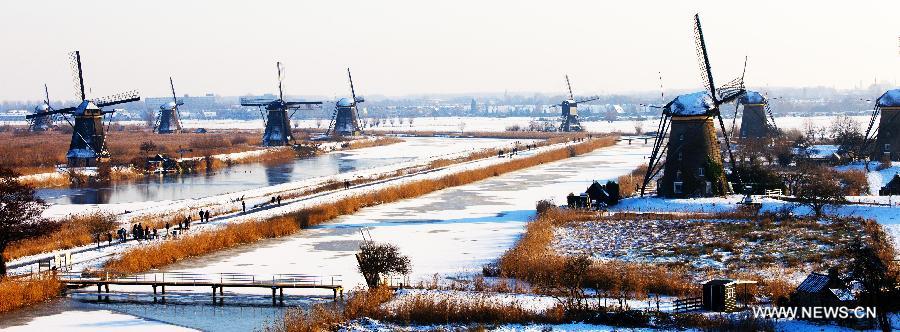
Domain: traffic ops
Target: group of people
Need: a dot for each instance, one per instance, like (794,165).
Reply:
(138,232)
(204,215)
(274,200)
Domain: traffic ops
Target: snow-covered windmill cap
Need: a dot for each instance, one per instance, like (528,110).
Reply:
(891,98)
(345,102)
(752,97)
(168,106)
(697,103)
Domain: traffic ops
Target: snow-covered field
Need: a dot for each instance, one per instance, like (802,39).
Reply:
(450,232)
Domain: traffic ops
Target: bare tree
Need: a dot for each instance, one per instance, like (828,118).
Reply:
(380,259)
(638,127)
(100,224)
(20,213)
(819,187)
(149,117)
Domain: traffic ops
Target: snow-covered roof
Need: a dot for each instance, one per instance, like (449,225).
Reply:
(891,98)
(167,106)
(345,102)
(86,105)
(752,97)
(813,283)
(697,103)
(81,153)
(41,108)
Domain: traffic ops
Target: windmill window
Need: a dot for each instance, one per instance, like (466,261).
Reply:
(700,171)
(680,155)
(678,175)
(680,137)
(887,147)
(678,188)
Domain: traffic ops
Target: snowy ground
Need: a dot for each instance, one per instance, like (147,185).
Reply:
(450,232)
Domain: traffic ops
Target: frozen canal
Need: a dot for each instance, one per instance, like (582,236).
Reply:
(257,175)
(451,232)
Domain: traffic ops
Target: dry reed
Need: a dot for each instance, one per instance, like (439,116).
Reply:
(18,293)
(73,232)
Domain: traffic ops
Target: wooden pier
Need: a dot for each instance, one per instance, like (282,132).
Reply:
(216,282)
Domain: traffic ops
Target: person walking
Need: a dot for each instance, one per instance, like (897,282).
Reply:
(244,206)
(201,213)
(279,199)
(167,228)
(207,215)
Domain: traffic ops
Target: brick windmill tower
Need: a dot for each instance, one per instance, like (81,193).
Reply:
(756,117)
(88,145)
(168,119)
(277,120)
(345,119)
(693,164)
(886,135)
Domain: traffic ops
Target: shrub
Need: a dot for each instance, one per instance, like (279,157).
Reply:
(377,260)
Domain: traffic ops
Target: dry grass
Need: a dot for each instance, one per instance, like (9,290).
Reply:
(18,293)
(144,258)
(367,143)
(534,260)
(73,232)
(492,134)
(31,153)
(630,184)
(430,308)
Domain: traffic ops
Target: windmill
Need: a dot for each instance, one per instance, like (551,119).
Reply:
(693,165)
(345,119)
(169,120)
(756,117)
(569,116)
(886,135)
(277,120)
(40,122)
(88,145)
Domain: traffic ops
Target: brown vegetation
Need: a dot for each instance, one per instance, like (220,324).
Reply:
(144,258)
(630,184)
(31,153)
(22,292)
(380,141)
(534,260)
(73,232)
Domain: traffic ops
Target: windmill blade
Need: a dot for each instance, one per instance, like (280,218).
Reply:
(569,85)
(703,58)
(730,91)
(255,101)
(589,99)
(727,142)
(77,76)
(119,98)
(352,90)
(280,91)
(47,97)
(301,104)
(51,112)
(174,97)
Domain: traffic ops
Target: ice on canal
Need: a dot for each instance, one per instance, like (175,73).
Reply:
(449,232)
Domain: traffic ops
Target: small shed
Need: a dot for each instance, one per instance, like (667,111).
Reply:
(582,201)
(822,290)
(161,164)
(597,193)
(892,187)
(721,294)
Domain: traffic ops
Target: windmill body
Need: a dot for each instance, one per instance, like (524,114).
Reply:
(689,157)
(887,139)
(169,122)
(41,122)
(87,147)
(345,120)
(754,123)
(693,165)
(278,125)
(278,122)
(569,117)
